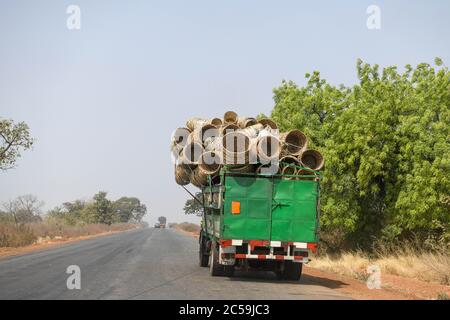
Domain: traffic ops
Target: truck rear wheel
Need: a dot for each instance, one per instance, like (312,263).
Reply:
(215,269)
(292,271)
(202,252)
(228,271)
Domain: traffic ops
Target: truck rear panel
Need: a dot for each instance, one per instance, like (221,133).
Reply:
(271,209)
(256,217)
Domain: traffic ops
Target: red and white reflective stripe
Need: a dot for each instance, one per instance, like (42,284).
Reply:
(258,243)
(312,247)
(265,243)
(270,257)
(225,243)
(233,242)
(236,242)
(275,244)
(301,245)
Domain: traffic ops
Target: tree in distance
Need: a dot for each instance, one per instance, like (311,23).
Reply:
(14,138)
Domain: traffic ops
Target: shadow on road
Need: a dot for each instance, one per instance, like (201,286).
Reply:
(270,277)
(325,282)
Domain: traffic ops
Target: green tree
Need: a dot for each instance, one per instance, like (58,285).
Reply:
(72,213)
(387,150)
(100,210)
(311,108)
(103,208)
(129,209)
(14,138)
(192,206)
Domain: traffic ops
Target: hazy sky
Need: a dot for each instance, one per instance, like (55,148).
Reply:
(102,101)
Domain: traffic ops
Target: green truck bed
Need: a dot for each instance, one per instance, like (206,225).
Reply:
(271,208)
(253,220)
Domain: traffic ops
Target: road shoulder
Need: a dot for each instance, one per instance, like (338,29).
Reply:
(393,287)
(6,252)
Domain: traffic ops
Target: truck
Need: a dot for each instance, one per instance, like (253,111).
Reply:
(257,221)
(162,222)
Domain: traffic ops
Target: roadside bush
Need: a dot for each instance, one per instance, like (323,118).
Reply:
(187,226)
(406,260)
(16,236)
(386,148)
(23,235)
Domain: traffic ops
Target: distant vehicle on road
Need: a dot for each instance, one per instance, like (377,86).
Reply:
(157,225)
(162,222)
(260,222)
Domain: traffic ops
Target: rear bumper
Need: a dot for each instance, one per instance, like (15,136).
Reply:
(232,250)
(299,259)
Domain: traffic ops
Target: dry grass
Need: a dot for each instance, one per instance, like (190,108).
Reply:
(53,230)
(186,226)
(433,267)
(443,296)
(349,264)
(23,235)
(16,236)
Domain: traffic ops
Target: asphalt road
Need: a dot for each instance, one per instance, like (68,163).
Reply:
(141,264)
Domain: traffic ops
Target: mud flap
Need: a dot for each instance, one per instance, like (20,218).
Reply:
(226,255)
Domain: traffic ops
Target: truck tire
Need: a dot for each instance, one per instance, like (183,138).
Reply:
(215,269)
(228,271)
(202,252)
(292,271)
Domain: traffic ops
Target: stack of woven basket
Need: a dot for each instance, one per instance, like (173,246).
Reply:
(243,144)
